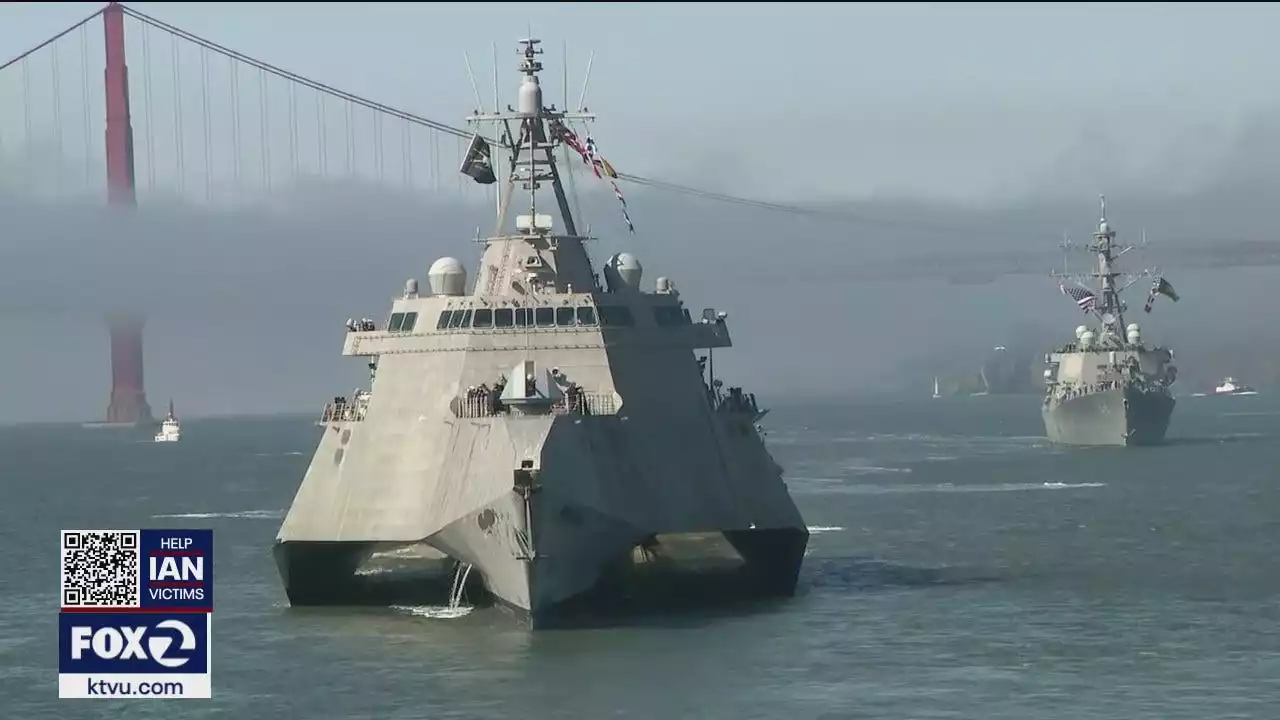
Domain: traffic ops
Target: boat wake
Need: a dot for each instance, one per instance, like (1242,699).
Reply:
(859,467)
(238,515)
(945,488)
(434,612)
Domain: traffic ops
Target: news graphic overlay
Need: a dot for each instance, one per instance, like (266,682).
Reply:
(134,655)
(137,571)
(135,614)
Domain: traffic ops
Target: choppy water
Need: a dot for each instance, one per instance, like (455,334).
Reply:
(960,567)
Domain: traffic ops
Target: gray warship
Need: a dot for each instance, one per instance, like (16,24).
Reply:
(551,440)
(1109,387)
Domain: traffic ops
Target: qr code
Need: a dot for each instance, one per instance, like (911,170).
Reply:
(100,569)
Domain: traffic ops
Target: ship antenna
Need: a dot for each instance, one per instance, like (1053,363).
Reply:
(474,88)
(586,80)
(493,47)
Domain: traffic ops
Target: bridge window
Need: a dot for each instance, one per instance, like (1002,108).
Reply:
(502,317)
(667,316)
(483,318)
(443,322)
(410,319)
(616,316)
(455,321)
(545,317)
(587,316)
(524,317)
(565,317)
(397,319)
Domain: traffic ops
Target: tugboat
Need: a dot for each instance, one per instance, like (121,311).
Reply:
(1231,386)
(1108,387)
(556,434)
(170,430)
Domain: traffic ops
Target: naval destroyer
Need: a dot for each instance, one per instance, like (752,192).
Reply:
(1109,387)
(555,436)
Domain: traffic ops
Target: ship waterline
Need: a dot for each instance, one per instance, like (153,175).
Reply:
(1120,416)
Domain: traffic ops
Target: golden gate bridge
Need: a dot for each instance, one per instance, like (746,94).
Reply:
(185,117)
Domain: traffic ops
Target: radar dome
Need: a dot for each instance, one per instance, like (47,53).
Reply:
(411,288)
(1133,327)
(664,286)
(1081,330)
(529,100)
(623,269)
(1086,338)
(447,277)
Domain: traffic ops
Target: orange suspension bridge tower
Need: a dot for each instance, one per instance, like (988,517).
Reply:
(128,404)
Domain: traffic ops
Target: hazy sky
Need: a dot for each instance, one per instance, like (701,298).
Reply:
(998,123)
(965,101)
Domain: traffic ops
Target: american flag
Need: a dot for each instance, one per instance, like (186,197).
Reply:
(1084,298)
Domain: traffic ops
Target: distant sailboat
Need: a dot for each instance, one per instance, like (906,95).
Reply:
(935,387)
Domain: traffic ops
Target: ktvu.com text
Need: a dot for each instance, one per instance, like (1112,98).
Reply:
(136,614)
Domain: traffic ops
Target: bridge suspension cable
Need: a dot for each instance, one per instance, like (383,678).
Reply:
(49,41)
(296,80)
(463,133)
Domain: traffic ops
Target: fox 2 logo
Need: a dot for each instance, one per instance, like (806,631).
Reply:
(133,643)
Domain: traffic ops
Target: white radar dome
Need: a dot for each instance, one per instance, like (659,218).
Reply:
(529,99)
(447,277)
(623,269)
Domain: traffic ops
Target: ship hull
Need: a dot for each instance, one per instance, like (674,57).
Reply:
(1119,417)
(605,576)
(560,517)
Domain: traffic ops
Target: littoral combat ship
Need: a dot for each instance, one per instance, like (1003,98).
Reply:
(1109,388)
(556,437)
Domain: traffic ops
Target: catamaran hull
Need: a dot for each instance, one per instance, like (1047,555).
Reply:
(590,530)
(1118,417)
(549,590)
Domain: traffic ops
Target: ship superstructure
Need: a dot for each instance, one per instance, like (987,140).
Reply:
(551,433)
(1109,387)
(170,429)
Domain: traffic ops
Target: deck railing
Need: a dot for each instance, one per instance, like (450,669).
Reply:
(344,411)
(480,405)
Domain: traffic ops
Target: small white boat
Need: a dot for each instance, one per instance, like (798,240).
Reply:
(1230,386)
(170,430)
(935,387)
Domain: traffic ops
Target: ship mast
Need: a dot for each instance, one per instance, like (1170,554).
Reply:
(526,133)
(1109,306)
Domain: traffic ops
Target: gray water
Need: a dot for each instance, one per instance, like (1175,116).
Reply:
(960,567)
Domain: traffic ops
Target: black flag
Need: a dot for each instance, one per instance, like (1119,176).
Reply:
(479,162)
